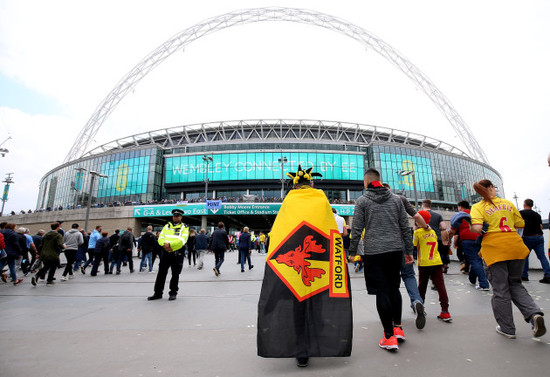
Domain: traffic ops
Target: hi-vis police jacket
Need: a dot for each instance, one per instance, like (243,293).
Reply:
(175,235)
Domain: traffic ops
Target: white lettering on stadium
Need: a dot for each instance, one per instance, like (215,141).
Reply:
(270,167)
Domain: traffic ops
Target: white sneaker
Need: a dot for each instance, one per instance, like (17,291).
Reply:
(64,278)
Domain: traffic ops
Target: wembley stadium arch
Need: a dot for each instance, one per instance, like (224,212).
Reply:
(243,162)
(182,39)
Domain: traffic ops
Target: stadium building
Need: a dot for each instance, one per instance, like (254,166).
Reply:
(243,163)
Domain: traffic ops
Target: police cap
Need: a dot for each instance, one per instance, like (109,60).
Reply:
(177,212)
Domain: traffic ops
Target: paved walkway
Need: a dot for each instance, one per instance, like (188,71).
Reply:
(104,326)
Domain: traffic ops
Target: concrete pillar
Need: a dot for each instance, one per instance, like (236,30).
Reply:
(137,227)
(203,221)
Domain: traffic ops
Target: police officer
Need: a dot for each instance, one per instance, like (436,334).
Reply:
(172,238)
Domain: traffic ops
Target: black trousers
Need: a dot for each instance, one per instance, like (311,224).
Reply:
(171,261)
(127,254)
(25,264)
(49,266)
(104,255)
(383,278)
(71,256)
(192,253)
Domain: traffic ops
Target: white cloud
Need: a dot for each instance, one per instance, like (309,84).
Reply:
(38,144)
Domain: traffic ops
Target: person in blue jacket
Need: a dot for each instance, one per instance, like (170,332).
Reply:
(245,248)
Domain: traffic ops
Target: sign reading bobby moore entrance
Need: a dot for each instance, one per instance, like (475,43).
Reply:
(192,209)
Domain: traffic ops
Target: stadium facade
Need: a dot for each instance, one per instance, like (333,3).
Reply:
(247,161)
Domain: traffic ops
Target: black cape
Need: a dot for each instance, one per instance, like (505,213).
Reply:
(305,302)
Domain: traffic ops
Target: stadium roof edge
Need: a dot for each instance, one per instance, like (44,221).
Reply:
(302,130)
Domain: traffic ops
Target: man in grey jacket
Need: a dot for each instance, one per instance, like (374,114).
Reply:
(382,215)
(72,240)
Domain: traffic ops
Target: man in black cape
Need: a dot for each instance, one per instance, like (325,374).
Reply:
(305,303)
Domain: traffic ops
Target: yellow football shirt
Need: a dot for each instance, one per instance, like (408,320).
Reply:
(426,242)
(503,216)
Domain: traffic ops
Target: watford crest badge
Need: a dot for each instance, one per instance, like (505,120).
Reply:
(309,261)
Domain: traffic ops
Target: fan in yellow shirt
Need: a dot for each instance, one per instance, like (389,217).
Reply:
(504,253)
(430,266)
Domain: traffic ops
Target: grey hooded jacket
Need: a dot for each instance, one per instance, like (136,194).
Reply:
(385,221)
(72,239)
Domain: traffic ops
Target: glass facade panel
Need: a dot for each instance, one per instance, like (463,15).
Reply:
(262,166)
(231,195)
(266,194)
(147,174)
(439,176)
(128,180)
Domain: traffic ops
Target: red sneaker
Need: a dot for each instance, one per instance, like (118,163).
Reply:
(398,333)
(389,343)
(445,316)
(17,281)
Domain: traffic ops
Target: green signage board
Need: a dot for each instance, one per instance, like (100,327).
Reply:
(262,165)
(193,209)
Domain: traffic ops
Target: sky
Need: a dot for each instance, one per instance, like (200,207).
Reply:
(60,59)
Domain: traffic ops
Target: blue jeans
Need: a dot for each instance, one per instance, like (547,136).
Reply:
(245,255)
(536,243)
(409,279)
(11,265)
(146,258)
(89,261)
(77,264)
(471,250)
(219,256)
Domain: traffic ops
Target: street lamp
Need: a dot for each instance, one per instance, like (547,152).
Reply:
(78,184)
(7,181)
(93,174)
(516,198)
(3,151)
(282,161)
(208,160)
(411,172)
